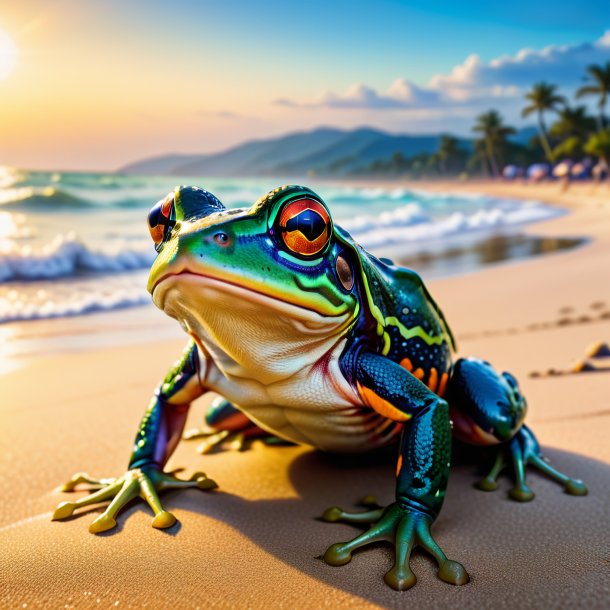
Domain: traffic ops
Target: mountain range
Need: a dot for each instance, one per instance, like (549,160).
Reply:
(296,154)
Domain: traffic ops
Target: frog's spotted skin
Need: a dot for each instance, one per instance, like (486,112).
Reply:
(318,342)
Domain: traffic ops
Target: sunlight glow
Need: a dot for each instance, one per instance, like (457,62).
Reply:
(8,53)
(8,226)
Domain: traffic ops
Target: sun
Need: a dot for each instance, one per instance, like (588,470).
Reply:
(7,55)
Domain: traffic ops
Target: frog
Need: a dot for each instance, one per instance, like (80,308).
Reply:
(306,337)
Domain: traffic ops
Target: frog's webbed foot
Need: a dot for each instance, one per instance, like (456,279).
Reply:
(523,450)
(233,440)
(225,426)
(406,528)
(142,482)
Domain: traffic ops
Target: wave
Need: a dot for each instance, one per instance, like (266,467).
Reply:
(66,256)
(414,228)
(409,227)
(19,308)
(45,198)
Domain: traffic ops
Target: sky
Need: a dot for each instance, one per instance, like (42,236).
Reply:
(96,84)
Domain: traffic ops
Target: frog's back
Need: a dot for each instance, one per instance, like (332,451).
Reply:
(411,328)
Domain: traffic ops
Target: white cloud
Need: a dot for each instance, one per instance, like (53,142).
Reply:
(475,83)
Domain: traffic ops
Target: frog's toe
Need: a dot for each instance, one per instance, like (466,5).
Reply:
(449,571)
(337,555)
(63,510)
(163,519)
(193,433)
(66,509)
(370,501)
(522,493)
(334,513)
(341,553)
(199,480)
(576,487)
(102,524)
(82,477)
(213,441)
(490,482)
(453,572)
(400,578)
(486,484)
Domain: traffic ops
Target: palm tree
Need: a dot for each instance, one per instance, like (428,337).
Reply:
(573,122)
(448,150)
(598,145)
(600,75)
(490,126)
(570,148)
(542,97)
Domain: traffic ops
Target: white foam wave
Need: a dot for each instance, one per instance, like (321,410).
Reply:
(431,223)
(66,256)
(411,227)
(18,306)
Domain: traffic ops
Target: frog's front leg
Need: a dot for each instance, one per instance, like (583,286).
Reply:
(488,408)
(157,437)
(422,472)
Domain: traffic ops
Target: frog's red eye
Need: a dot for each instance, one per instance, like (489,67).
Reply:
(161,220)
(305,226)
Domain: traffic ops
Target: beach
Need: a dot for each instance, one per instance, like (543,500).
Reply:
(254,543)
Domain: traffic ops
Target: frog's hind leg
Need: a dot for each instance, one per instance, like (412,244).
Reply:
(488,408)
(225,425)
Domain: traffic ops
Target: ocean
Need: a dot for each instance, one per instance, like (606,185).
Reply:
(74,243)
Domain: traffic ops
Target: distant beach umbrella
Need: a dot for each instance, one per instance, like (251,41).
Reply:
(563,169)
(600,171)
(538,171)
(510,172)
(581,170)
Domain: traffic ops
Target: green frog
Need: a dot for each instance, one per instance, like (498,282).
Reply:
(306,336)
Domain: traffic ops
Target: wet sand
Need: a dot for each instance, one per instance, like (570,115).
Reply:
(254,542)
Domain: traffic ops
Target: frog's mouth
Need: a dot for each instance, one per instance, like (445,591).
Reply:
(187,288)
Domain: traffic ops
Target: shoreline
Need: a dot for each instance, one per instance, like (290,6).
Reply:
(71,332)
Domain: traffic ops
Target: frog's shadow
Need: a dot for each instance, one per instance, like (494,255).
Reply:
(469,528)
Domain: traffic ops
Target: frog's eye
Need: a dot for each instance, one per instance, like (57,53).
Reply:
(304,226)
(161,220)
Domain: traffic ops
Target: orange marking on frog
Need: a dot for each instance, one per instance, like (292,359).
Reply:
(382,406)
(419,373)
(433,379)
(443,384)
(399,465)
(406,364)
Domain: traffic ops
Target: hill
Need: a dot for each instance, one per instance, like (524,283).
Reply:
(323,150)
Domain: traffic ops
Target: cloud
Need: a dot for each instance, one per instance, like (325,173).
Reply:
(474,82)
(222,114)
(400,94)
(228,116)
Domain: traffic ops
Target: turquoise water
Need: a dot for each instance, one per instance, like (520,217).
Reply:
(72,243)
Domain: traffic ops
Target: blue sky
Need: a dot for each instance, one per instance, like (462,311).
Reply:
(339,40)
(114,80)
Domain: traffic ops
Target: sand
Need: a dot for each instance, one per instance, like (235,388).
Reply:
(254,542)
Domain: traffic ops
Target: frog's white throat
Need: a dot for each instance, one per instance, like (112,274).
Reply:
(246,333)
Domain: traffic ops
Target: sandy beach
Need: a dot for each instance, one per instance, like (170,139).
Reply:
(254,542)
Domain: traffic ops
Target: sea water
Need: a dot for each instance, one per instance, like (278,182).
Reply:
(73,243)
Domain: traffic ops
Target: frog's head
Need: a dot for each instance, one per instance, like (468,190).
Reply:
(279,262)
